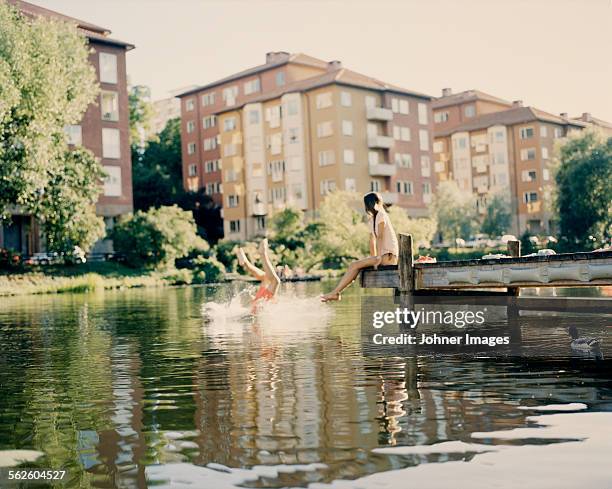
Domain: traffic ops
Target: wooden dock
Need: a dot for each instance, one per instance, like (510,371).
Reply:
(491,277)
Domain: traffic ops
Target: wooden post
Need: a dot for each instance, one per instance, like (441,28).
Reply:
(406,270)
(514,250)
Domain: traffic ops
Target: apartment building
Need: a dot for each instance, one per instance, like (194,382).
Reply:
(104,130)
(309,128)
(507,152)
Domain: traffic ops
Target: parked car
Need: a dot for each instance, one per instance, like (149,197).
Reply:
(43,259)
(478,241)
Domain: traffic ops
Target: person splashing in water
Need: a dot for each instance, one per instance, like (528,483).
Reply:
(268,277)
(384,248)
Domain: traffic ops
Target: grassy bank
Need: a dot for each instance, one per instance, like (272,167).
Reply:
(81,278)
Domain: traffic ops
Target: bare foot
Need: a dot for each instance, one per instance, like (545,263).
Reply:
(332,296)
(241,256)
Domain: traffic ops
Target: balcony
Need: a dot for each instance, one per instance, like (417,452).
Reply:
(382,170)
(379,114)
(383,142)
(390,197)
(259,209)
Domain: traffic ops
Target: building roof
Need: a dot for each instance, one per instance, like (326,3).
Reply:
(588,118)
(467,96)
(517,115)
(91,31)
(340,76)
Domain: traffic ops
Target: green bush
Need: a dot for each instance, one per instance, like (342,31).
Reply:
(154,239)
(224,251)
(207,270)
(179,277)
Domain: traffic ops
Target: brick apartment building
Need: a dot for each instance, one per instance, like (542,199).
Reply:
(104,130)
(295,128)
(489,146)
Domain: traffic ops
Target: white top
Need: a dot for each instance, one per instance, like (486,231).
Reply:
(387,243)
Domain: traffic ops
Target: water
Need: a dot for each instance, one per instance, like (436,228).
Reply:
(184,388)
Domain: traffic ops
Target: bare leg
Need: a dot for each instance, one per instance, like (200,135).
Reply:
(270,273)
(248,266)
(350,275)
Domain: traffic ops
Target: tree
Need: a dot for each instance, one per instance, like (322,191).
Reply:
(157,237)
(497,218)
(46,83)
(455,211)
(422,229)
(584,190)
(141,117)
(157,173)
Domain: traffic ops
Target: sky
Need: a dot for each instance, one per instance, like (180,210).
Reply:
(552,54)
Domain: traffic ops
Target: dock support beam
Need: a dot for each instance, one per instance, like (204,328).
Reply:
(514,250)
(406,271)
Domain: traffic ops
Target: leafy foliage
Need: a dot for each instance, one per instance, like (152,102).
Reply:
(207,270)
(422,229)
(46,83)
(157,237)
(584,191)
(455,211)
(497,218)
(141,114)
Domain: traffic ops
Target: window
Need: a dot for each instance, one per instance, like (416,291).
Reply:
(438,147)
(276,143)
(424,140)
(326,158)
(325,129)
(403,159)
(229,124)
(276,168)
(345,99)
(192,170)
(190,126)
(370,101)
(526,132)
(425,166)
(349,156)
(280,78)
(277,194)
(324,100)
(401,133)
(426,188)
(209,121)
(544,153)
(529,197)
(212,188)
(298,191)
(350,185)
(191,148)
(374,186)
(210,143)
(230,94)
(112,181)
(208,99)
(528,154)
(404,187)
(395,105)
(109,102)
(294,135)
(110,143)
(74,134)
(231,175)
(252,86)
(422,113)
(211,166)
(230,150)
(189,105)
(558,132)
(373,157)
(403,107)
(108,68)
(233,200)
(500,136)
(528,175)
(327,186)
(546,174)
(234,226)
(347,128)
(543,131)
(440,117)
(253,117)
(469,111)
(292,107)
(273,116)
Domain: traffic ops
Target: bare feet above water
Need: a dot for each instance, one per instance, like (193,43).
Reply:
(332,296)
(263,246)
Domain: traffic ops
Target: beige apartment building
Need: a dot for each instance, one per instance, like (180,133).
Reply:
(323,128)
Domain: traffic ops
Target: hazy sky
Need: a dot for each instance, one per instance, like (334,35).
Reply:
(552,54)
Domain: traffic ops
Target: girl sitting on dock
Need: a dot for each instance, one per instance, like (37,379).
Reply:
(384,248)
(268,277)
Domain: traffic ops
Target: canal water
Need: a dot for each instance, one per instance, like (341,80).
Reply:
(184,388)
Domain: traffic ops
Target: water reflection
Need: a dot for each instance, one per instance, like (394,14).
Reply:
(110,384)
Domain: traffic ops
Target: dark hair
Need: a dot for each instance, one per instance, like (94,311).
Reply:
(370,200)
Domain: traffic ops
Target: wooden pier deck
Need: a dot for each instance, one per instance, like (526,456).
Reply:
(501,276)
